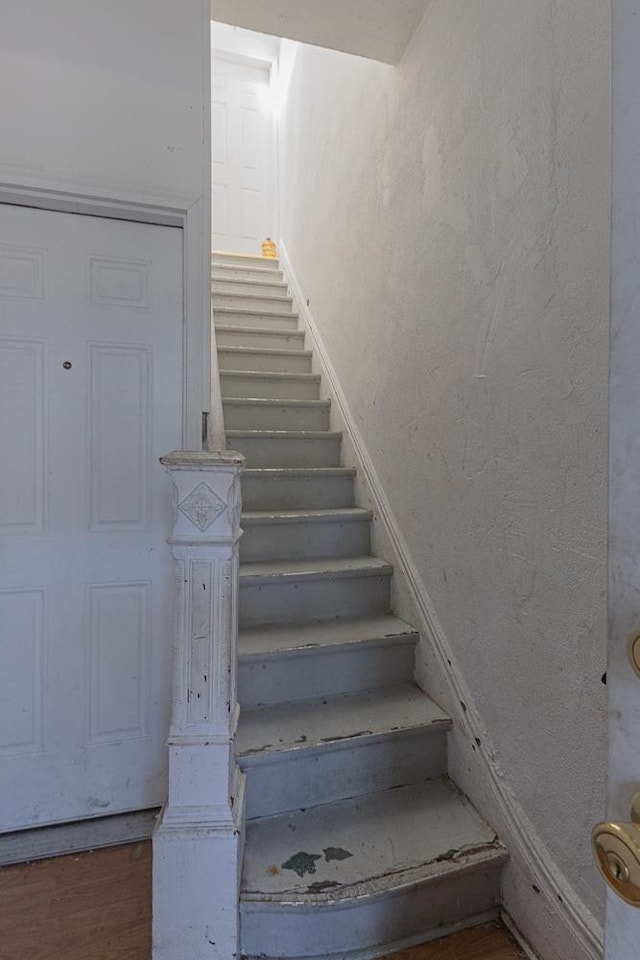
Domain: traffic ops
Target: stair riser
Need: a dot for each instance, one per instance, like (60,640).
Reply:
(286,601)
(239,260)
(298,541)
(283,340)
(370,926)
(245,273)
(296,492)
(264,362)
(233,287)
(265,304)
(269,389)
(242,319)
(326,672)
(246,417)
(284,452)
(292,782)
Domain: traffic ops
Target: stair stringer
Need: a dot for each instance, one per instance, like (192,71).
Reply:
(556,914)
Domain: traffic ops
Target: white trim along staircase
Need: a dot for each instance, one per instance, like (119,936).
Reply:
(356,840)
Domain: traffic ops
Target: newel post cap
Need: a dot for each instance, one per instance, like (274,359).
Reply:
(201,459)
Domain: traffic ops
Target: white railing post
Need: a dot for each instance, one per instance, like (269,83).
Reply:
(215,439)
(197,844)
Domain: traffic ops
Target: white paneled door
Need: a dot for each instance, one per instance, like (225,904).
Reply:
(242,156)
(90,397)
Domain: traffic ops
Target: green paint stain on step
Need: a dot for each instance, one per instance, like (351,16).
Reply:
(336,853)
(302,863)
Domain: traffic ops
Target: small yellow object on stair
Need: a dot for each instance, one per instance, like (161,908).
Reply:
(269,249)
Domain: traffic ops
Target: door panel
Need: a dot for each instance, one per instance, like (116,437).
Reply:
(90,398)
(243,171)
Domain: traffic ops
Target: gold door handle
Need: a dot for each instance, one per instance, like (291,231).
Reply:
(616,848)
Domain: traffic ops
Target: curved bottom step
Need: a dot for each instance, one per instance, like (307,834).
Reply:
(353,878)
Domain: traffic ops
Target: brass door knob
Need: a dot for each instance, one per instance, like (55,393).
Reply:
(616,848)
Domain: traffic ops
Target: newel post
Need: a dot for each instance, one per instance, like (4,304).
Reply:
(197,842)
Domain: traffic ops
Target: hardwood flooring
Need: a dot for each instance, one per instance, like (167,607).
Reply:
(88,906)
(491,942)
(97,906)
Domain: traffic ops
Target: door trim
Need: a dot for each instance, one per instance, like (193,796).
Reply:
(193,219)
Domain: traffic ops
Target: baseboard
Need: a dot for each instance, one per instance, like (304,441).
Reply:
(522,837)
(518,937)
(60,839)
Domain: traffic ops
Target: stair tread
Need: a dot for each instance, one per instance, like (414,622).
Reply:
(268,331)
(265,640)
(280,284)
(235,311)
(344,514)
(269,351)
(270,375)
(308,724)
(238,255)
(366,846)
(288,434)
(265,571)
(275,402)
(255,296)
(275,473)
(267,271)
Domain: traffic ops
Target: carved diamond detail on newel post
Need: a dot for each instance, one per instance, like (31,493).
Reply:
(198,840)
(202,506)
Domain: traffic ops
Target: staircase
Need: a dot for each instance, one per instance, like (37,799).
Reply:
(356,842)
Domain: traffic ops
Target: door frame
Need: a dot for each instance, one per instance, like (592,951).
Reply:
(271,66)
(193,218)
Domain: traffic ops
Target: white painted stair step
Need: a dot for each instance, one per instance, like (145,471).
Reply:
(317,751)
(286,448)
(343,753)
(221,258)
(249,301)
(241,413)
(297,488)
(245,384)
(233,270)
(260,287)
(300,590)
(232,316)
(277,360)
(397,866)
(256,337)
(299,534)
(323,658)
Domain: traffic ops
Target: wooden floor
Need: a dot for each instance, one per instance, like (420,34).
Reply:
(97,906)
(482,943)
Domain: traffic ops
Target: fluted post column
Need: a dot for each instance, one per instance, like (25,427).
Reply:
(197,843)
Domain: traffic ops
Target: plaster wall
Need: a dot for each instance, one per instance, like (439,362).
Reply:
(448,221)
(105,94)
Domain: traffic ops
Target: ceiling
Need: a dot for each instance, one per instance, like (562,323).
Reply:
(378,29)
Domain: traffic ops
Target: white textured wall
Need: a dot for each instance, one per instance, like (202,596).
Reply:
(449,223)
(105,93)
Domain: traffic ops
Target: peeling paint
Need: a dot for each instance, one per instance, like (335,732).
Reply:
(322,885)
(350,736)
